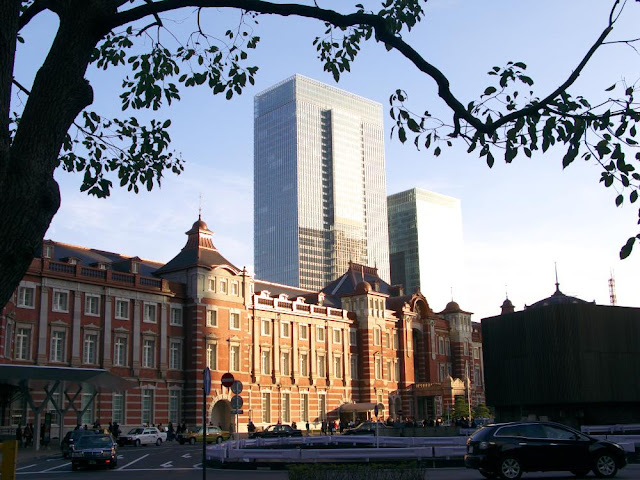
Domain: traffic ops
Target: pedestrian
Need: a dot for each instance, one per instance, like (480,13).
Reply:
(294,425)
(28,435)
(307,425)
(323,427)
(19,435)
(251,428)
(170,432)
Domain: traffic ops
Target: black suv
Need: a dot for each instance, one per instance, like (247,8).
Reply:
(506,450)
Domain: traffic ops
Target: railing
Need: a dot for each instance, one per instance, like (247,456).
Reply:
(123,277)
(93,273)
(150,282)
(62,267)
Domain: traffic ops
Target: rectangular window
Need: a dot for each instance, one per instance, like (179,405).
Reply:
(87,408)
(397,370)
(234,358)
(90,354)
(304,332)
(285,329)
(304,407)
(286,364)
(149,353)
(441,345)
(476,353)
(442,371)
(466,348)
(387,340)
(322,407)
(353,337)
(212,318)
(212,284)
(266,407)
(122,309)
(337,336)
(55,398)
(147,406)
(234,321)
(337,366)
(265,327)
(320,334)
(304,364)
(175,355)
(23,344)
(389,371)
(396,340)
(378,367)
(286,407)
(60,301)
(322,371)
(92,305)
(265,362)
(176,316)
(150,313)
(354,366)
(58,346)
(120,352)
(8,338)
(223,286)
(118,407)
(212,356)
(27,297)
(174,406)
(376,336)
(234,289)
(477,378)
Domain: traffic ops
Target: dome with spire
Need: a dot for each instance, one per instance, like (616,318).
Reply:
(507,306)
(557,298)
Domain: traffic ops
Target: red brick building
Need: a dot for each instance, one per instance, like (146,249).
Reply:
(301,355)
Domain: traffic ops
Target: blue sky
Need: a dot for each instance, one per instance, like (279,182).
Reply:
(518,219)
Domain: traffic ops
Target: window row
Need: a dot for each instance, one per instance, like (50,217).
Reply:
(303,332)
(285,407)
(212,319)
(224,286)
(391,339)
(60,302)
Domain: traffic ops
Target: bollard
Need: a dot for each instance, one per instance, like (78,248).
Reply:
(9,459)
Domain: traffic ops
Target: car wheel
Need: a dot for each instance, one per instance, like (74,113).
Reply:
(137,443)
(192,441)
(580,473)
(159,442)
(219,440)
(510,468)
(605,466)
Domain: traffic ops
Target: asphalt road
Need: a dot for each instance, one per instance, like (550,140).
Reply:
(184,462)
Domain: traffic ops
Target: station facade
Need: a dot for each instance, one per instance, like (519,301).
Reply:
(301,355)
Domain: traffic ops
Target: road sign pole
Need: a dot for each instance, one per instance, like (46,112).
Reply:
(206,389)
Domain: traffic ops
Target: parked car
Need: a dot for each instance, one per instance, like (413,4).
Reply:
(68,442)
(214,435)
(141,436)
(276,431)
(94,450)
(369,428)
(506,450)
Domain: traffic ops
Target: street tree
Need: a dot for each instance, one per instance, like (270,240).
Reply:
(49,124)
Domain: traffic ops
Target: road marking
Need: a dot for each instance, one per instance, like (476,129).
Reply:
(186,455)
(167,465)
(56,467)
(134,461)
(198,465)
(26,466)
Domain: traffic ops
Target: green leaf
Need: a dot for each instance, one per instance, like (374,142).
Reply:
(610,88)
(489,90)
(625,251)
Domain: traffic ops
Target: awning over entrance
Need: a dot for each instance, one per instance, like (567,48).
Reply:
(98,378)
(357,407)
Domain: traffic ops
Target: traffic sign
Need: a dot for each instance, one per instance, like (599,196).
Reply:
(206,375)
(237,412)
(236,402)
(236,387)
(227,380)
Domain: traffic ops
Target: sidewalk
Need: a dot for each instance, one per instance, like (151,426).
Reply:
(29,454)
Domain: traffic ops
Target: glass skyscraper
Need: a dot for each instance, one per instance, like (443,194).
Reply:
(319,184)
(426,244)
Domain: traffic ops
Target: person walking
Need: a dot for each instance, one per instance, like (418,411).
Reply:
(19,435)
(307,425)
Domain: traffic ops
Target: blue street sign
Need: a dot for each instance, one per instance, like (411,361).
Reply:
(207,381)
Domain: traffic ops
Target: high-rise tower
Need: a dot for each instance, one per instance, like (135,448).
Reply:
(319,183)
(425,242)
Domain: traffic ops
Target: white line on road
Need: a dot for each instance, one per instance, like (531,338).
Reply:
(26,466)
(186,455)
(167,465)
(131,463)
(56,467)
(198,465)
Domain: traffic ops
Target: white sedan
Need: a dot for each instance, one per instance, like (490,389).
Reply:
(142,436)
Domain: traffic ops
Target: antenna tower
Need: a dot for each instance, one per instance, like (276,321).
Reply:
(612,290)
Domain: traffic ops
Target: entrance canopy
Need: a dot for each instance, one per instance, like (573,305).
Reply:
(35,376)
(357,407)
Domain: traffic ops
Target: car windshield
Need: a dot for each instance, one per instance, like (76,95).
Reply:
(94,441)
(136,431)
(481,434)
(197,430)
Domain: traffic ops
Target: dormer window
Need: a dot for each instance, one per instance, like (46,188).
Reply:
(134,267)
(102,266)
(47,251)
(72,261)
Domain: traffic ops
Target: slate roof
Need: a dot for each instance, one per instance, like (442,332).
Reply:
(199,251)
(557,298)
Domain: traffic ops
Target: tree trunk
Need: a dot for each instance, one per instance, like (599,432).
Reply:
(29,195)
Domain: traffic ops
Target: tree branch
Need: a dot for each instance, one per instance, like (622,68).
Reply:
(31,12)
